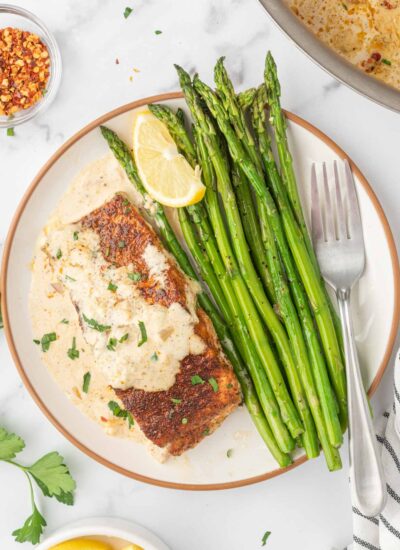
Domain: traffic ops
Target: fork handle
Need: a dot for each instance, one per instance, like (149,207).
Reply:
(366,473)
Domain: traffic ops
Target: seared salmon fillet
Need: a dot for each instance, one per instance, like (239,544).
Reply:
(205,390)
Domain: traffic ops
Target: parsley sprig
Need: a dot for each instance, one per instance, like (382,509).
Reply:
(50,474)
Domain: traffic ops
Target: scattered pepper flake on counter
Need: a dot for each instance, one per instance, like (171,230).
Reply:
(24,70)
(127,12)
(116,61)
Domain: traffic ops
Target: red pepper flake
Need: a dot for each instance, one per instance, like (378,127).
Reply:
(24,70)
(103,419)
(117,61)
(376,56)
(388,5)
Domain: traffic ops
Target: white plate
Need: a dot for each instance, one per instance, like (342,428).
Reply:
(107,527)
(375,308)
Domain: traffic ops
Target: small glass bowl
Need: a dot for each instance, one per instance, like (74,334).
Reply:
(19,18)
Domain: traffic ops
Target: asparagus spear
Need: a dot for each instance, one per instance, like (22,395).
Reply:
(123,155)
(244,276)
(311,280)
(278,122)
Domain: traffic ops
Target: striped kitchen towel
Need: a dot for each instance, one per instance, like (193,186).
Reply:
(383,532)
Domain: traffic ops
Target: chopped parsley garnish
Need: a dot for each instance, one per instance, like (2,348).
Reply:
(73,353)
(10,132)
(154,357)
(58,254)
(86,382)
(112,286)
(184,420)
(121,413)
(112,343)
(213,383)
(157,32)
(47,339)
(92,323)
(107,252)
(124,338)
(37,342)
(206,431)
(229,453)
(70,278)
(143,334)
(121,244)
(127,12)
(75,235)
(64,321)
(386,61)
(265,537)
(229,386)
(176,401)
(196,379)
(135,276)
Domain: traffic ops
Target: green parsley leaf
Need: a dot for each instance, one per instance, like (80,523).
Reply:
(47,339)
(176,401)
(143,334)
(92,323)
(86,382)
(229,386)
(51,471)
(124,338)
(135,276)
(73,353)
(154,357)
(206,431)
(36,341)
(121,244)
(10,444)
(121,413)
(10,132)
(63,497)
(229,453)
(213,383)
(75,235)
(196,379)
(32,528)
(64,321)
(112,344)
(112,287)
(58,254)
(184,420)
(127,12)
(157,32)
(386,61)
(265,537)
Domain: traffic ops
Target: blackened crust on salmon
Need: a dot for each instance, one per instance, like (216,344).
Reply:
(205,390)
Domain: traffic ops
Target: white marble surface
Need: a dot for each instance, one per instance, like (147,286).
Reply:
(307,508)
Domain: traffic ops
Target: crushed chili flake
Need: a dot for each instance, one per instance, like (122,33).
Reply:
(117,61)
(24,70)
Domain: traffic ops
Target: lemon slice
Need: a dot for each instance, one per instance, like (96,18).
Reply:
(82,544)
(165,173)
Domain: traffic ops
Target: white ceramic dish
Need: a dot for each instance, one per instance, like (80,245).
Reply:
(108,527)
(375,306)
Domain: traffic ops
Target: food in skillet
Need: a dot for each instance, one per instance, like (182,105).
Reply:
(241,219)
(365,32)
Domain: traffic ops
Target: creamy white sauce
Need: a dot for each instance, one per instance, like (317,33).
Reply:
(70,274)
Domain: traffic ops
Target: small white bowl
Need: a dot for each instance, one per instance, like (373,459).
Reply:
(107,527)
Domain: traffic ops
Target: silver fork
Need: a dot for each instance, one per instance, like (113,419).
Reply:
(339,245)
